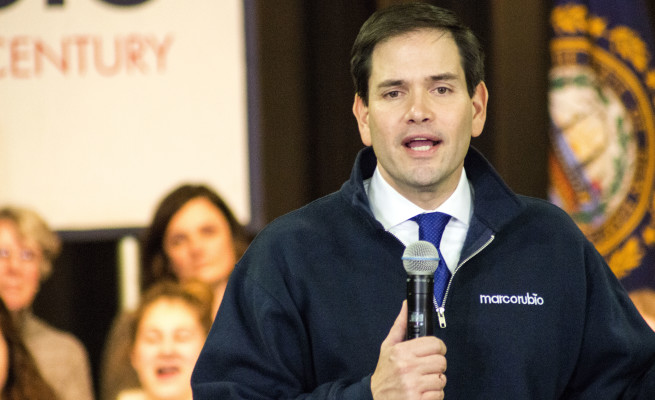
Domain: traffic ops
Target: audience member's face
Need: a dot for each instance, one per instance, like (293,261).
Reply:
(4,361)
(20,260)
(199,244)
(167,344)
(420,117)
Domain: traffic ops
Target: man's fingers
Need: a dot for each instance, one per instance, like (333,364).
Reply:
(431,386)
(434,364)
(425,346)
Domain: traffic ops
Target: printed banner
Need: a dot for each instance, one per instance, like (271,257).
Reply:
(601,96)
(109,104)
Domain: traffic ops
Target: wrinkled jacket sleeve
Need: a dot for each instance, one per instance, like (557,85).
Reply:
(258,347)
(617,353)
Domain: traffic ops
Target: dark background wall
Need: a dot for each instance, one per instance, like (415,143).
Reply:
(304,137)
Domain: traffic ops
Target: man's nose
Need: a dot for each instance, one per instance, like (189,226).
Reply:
(419,110)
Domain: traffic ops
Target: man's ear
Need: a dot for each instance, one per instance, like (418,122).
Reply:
(479,103)
(361,114)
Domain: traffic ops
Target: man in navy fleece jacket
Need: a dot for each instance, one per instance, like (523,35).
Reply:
(314,309)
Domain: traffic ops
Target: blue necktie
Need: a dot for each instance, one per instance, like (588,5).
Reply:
(430,228)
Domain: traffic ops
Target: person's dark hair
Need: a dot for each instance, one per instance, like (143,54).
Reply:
(24,381)
(155,263)
(400,19)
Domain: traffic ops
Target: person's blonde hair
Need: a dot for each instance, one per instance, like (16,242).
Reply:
(195,294)
(31,226)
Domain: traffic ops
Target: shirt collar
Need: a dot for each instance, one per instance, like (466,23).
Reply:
(390,208)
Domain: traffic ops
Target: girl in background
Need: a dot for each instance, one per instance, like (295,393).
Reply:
(168,331)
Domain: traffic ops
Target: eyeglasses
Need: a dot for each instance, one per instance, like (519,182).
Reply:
(24,255)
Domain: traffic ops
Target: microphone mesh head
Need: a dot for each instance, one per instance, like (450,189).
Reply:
(421,258)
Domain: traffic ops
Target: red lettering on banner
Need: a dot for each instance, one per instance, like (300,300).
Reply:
(24,57)
(42,50)
(134,51)
(19,51)
(161,50)
(80,43)
(99,63)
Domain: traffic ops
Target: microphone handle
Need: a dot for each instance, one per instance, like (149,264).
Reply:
(420,292)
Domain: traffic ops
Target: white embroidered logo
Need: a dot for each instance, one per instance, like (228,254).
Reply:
(529,299)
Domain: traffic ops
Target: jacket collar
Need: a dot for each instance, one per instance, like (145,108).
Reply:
(494,203)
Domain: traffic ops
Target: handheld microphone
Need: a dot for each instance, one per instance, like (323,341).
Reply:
(420,260)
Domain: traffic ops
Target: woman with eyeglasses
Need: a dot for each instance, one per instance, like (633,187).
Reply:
(27,249)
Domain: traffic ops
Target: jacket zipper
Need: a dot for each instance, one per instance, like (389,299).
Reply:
(442,308)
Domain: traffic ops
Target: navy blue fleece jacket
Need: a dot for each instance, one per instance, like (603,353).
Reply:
(532,311)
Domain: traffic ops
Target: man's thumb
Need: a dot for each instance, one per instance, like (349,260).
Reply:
(399,329)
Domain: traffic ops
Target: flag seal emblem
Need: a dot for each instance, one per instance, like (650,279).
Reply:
(602,164)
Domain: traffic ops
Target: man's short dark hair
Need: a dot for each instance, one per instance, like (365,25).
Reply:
(405,18)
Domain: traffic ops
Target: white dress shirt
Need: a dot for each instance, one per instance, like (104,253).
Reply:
(395,212)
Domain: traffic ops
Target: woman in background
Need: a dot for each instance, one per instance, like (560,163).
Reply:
(193,236)
(19,376)
(168,331)
(27,249)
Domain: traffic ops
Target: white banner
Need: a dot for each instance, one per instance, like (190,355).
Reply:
(107,107)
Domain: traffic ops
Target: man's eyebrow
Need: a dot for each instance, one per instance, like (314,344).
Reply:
(446,76)
(390,83)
